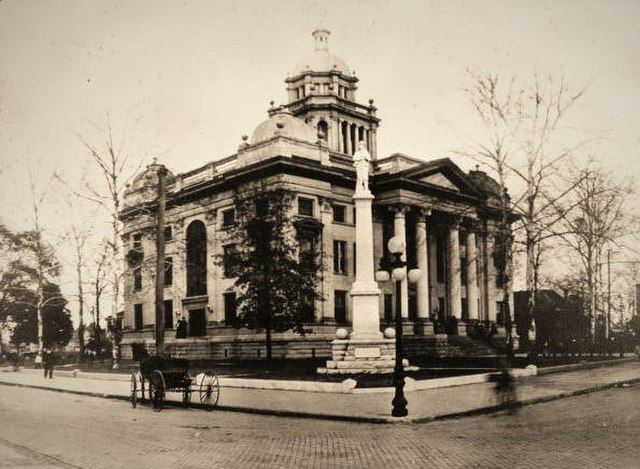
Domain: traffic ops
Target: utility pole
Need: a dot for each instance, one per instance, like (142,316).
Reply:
(160,260)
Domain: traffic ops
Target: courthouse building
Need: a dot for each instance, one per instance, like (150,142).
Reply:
(448,218)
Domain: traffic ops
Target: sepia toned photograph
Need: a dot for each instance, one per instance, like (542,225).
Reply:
(319,234)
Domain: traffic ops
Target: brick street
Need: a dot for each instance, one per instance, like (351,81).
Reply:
(61,430)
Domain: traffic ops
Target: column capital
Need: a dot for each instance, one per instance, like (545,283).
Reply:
(399,210)
(455,222)
(423,213)
(473,224)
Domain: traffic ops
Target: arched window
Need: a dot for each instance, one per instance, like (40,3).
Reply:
(196,259)
(324,128)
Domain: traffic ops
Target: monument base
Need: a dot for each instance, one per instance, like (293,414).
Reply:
(351,356)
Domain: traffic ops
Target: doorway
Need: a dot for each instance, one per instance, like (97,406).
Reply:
(197,322)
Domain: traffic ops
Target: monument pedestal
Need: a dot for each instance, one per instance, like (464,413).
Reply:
(351,356)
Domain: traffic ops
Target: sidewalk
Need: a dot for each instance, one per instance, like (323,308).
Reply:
(424,404)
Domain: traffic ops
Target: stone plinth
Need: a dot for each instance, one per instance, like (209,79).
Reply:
(462,328)
(423,327)
(362,356)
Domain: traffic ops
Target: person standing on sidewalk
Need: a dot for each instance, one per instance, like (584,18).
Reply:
(48,362)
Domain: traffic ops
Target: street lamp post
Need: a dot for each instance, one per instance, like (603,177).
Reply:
(395,269)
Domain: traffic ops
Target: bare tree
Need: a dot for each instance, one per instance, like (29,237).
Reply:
(80,239)
(521,124)
(597,221)
(46,265)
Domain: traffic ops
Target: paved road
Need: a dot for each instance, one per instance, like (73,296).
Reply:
(46,429)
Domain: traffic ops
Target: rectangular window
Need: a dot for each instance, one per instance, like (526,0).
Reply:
(340,306)
(305,207)
(228,217)
(168,314)
(137,279)
(229,308)
(137,242)
(339,212)
(307,251)
(339,257)
(168,233)
(137,316)
(230,258)
(168,271)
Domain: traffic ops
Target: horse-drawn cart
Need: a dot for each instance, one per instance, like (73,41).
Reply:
(156,376)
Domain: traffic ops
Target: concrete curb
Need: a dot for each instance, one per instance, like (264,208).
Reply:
(348,386)
(584,365)
(354,418)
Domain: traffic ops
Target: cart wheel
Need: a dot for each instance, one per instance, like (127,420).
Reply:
(156,391)
(134,390)
(143,397)
(209,389)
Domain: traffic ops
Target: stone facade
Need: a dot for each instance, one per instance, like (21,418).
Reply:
(448,217)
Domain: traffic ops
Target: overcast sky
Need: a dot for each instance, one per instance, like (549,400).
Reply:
(184,80)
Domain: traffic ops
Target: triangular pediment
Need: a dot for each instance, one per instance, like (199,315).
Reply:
(440,179)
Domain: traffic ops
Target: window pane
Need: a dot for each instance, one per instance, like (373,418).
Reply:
(168,272)
(228,217)
(339,213)
(305,206)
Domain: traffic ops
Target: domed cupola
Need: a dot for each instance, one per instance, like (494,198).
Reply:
(283,123)
(321,60)
(322,92)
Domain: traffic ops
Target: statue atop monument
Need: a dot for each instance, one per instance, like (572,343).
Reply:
(361,160)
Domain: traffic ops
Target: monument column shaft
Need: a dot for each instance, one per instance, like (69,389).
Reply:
(365,294)
(454,284)
(422,292)
(364,241)
(399,230)
(472,276)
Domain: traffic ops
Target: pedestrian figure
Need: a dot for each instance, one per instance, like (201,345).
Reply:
(181,329)
(47,363)
(506,389)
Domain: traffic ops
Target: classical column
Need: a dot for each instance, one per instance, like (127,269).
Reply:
(455,298)
(491,275)
(472,276)
(422,292)
(399,230)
